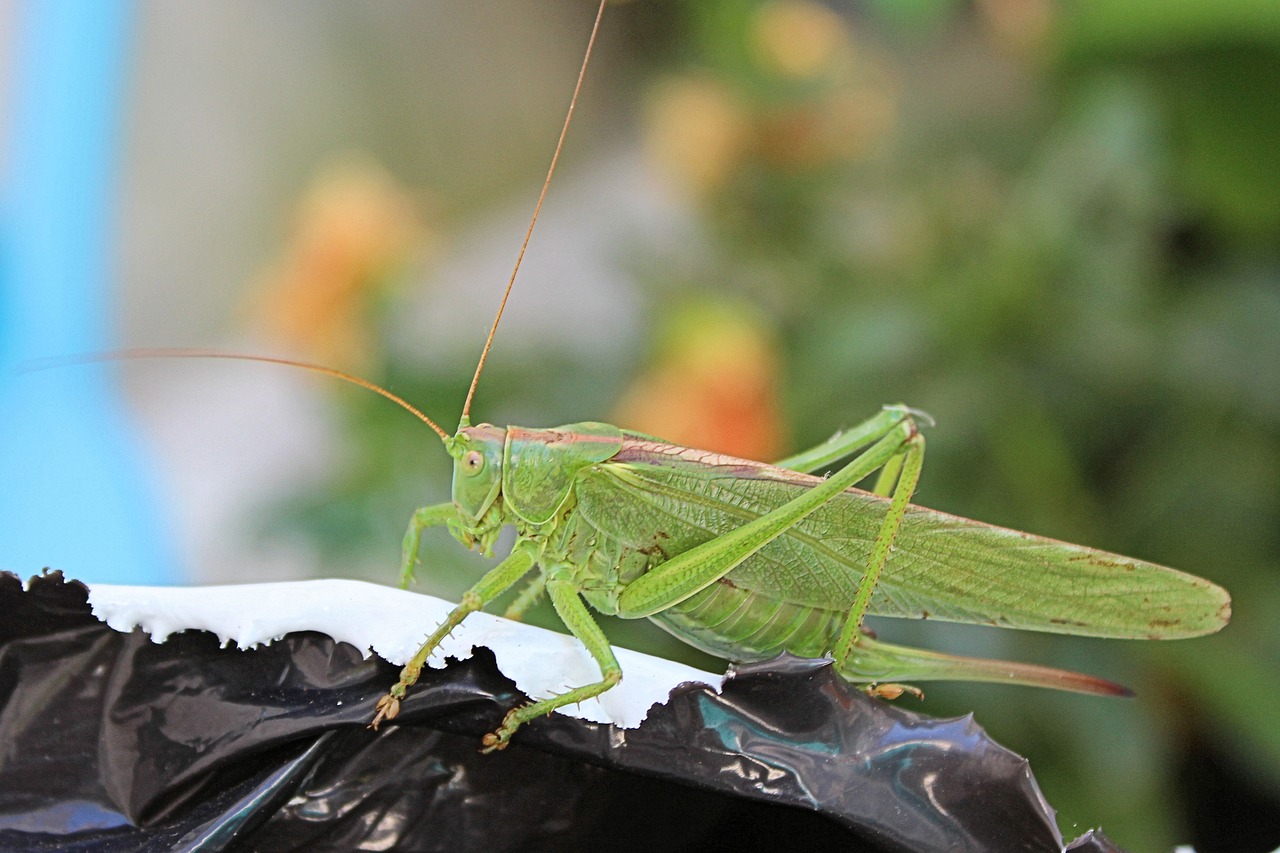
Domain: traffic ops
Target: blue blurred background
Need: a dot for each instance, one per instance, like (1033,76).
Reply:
(1055,227)
(76,488)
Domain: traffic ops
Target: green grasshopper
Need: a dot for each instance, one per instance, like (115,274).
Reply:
(746,560)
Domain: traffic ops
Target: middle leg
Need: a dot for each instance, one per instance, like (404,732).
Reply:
(576,617)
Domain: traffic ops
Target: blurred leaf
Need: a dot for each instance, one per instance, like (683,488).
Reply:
(915,15)
(1150,25)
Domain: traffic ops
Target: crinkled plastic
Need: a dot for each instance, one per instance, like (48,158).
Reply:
(113,742)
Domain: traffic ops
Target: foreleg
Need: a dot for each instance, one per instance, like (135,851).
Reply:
(576,617)
(497,581)
(424,517)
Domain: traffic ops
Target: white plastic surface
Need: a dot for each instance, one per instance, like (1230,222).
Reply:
(393,623)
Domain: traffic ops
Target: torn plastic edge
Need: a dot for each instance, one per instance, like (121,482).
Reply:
(392,624)
(893,776)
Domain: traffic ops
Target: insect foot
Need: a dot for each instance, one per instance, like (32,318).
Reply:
(388,707)
(918,414)
(892,691)
(498,740)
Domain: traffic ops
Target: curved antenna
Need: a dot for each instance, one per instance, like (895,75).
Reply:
(582,73)
(163,352)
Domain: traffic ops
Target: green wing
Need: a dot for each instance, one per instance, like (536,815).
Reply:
(658,496)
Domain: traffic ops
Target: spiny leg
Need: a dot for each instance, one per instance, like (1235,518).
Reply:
(876,662)
(846,442)
(888,478)
(885,484)
(489,587)
(912,459)
(424,517)
(526,598)
(576,617)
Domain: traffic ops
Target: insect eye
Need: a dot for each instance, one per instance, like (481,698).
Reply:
(473,461)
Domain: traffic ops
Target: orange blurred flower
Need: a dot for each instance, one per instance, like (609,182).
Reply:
(697,131)
(354,228)
(713,384)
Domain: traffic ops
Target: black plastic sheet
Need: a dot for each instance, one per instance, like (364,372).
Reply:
(113,742)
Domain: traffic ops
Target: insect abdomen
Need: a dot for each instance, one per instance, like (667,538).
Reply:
(725,619)
(742,625)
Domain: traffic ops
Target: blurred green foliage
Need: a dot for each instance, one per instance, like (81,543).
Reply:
(1054,227)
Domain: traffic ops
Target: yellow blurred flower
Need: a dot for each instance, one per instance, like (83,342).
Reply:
(697,132)
(354,228)
(799,39)
(713,384)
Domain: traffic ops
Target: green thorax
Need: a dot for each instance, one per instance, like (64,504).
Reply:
(532,469)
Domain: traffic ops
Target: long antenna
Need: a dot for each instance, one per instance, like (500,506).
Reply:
(582,73)
(125,354)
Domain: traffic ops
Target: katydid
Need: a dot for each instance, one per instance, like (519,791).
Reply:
(746,560)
